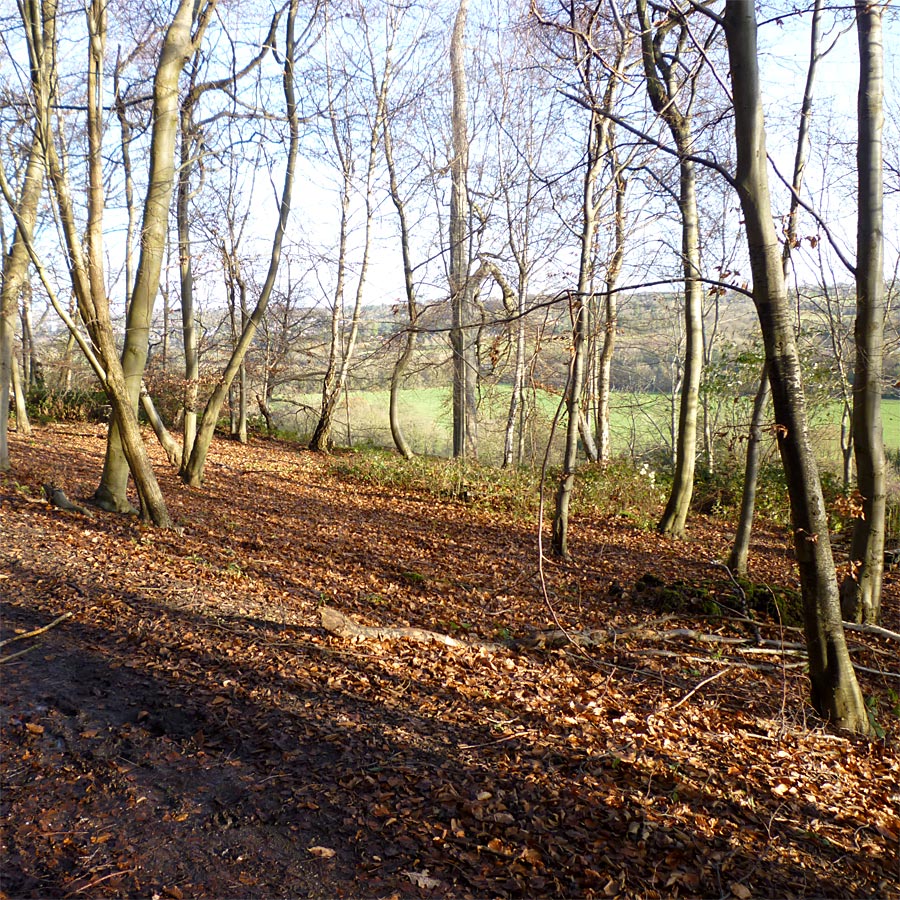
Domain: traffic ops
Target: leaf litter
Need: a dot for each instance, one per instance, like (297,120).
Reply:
(192,731)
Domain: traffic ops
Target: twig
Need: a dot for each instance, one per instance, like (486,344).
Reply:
(92,884)
(7,658)
(860,668)
(703,683)
(506,737)
(37,631)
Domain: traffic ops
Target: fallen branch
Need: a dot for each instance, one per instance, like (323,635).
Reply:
(872,629)
(6,659)
(37,631)
(340,625)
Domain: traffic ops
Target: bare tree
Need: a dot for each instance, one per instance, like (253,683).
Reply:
(861,589)
(86,257)
(835,691)
(671,79)
(17,261)
(192,469)
(342,347)
(463,331)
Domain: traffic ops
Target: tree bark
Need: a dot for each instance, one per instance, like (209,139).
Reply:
(738,560)
(178,45)
(861,589)
(15,271)
(664,88)
(462,337)
(835,692)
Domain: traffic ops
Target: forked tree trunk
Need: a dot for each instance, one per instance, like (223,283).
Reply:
(835,692)
(176,49)
(861,589)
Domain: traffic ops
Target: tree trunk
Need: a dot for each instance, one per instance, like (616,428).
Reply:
(664,87)
(186,274)
(411,307)
(177,47)
(15,271)
(517,397)
(462,337)
(610,319)
(861,589)
(739,555)
(192,472)
(737,561)
(835,692)
(560,543)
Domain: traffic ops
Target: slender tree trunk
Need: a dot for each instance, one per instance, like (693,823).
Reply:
(192,473)
(578,309)
(516,400)
(861,589)
(15,271)
(30,367)
(23,425)
(835,691)
(664,87)
(560,544)
(740,551)
(737,561)
(462,337)
(412,313)
(321,439)
(610,321)
(186,273)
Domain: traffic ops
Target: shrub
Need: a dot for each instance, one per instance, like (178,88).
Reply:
(74,405)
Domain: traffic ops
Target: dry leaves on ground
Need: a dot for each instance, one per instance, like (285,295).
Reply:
(192,731)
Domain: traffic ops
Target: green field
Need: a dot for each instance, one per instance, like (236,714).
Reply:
(640,422)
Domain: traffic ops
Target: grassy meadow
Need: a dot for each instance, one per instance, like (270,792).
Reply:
(640,425)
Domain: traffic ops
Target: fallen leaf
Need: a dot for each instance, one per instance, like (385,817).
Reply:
(34,729)
(322,852)
(423,879)
(741,891)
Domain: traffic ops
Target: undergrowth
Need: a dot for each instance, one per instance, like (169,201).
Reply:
(618,488)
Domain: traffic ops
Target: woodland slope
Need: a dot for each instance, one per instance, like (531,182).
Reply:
(191,730)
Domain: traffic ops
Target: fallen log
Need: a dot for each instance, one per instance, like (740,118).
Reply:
(342,626)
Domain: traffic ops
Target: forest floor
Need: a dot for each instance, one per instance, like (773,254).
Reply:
(192,731)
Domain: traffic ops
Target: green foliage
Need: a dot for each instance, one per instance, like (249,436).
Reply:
(622,488)
(514,490)
(619,488)
(720,491)
(75,405)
